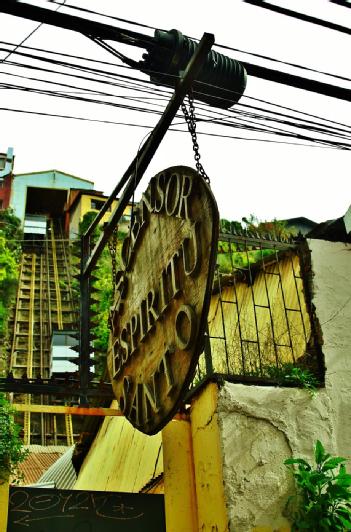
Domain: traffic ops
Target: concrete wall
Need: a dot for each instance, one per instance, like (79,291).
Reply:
(52,179)
(262,426)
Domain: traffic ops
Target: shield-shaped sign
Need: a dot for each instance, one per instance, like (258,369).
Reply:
(162,297)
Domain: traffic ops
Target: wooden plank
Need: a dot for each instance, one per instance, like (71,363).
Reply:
(73,410)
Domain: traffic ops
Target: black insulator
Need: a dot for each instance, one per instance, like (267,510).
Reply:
(221,81)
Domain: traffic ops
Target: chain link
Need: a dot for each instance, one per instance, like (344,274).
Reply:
(112,247)
(191,123)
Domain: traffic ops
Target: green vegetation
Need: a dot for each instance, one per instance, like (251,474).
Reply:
(323,499)
(10,250)
(237,255)
(12,451)
(102,294)
(288,372)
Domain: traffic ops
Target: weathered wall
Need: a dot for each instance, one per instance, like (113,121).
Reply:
(262,426)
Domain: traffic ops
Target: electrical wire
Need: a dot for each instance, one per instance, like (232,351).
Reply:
(109,74)
(131,22)
(30,34)
(201,117)
(300,16)
(247,120)
(129,124)
(269,130)
(256,2)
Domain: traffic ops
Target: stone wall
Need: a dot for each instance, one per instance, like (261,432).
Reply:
(262,426)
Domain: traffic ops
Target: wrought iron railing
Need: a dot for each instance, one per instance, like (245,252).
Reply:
(260,323)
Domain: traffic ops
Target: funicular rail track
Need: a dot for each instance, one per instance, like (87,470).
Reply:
(44,304)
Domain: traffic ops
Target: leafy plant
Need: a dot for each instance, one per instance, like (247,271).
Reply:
(12,451)
(289,373)
(323,499)
(10,235)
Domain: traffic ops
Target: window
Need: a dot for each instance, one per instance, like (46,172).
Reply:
(96,205)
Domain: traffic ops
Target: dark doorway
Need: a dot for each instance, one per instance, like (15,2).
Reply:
(46,201)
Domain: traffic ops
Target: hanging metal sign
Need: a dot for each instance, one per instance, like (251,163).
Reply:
(162,297)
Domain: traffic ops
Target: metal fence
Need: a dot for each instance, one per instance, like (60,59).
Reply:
(260,323)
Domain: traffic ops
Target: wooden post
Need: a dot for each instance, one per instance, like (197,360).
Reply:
(180,496)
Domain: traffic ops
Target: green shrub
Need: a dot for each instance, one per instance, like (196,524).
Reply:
(323,499)
(12,452)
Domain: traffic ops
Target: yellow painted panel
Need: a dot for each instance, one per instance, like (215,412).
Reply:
(120,458)
(4,504)
(179,485)
(86,206)
(212,512)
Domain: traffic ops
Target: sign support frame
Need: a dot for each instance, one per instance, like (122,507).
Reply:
(130,181)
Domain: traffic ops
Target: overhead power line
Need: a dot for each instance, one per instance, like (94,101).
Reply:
(30,34)
(333,91)
(217,45)
(99,73)
(343,3)
(40,113)
(139,85)
(136,84)
(300,16)
(105,31)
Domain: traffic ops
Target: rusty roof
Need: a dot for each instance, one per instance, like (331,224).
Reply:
(39,460)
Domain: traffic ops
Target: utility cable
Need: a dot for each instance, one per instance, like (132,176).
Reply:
(324,131)
(30,34)
(300,16)
(171,129)
(259,3)
(201,117)
(100,73)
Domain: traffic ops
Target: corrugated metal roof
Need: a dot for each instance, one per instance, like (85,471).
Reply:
(62,472)
(40,459)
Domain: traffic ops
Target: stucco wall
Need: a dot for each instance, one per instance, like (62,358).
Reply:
(262,426)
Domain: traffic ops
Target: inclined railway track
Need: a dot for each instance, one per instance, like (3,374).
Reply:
(44,304)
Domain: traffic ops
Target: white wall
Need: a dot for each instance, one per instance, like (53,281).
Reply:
(262,426)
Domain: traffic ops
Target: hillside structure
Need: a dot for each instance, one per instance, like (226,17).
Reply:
(278,310)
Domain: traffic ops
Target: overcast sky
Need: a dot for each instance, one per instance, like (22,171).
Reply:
(269,180)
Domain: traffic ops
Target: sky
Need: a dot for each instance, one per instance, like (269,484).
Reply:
(269,180)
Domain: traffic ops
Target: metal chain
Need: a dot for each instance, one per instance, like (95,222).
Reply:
(191,123)
(112,247)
